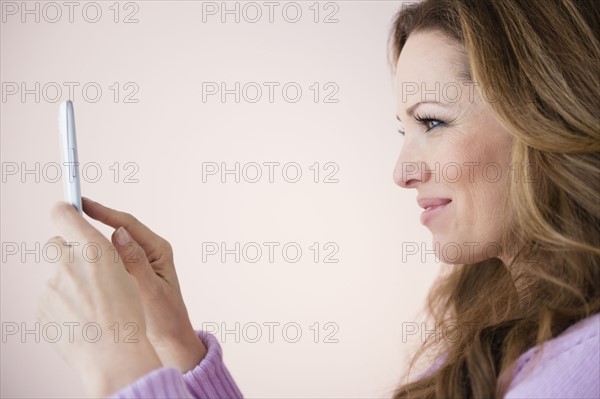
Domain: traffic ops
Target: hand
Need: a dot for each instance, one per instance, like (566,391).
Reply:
(149,259)
(91,288)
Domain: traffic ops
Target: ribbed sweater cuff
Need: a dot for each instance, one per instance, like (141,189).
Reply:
(210,379)
(165,382)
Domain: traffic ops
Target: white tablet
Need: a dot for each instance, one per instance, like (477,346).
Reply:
(68,146)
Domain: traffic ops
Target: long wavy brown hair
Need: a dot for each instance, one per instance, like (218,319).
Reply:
(541,58)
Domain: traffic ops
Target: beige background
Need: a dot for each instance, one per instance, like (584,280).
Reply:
(170,131)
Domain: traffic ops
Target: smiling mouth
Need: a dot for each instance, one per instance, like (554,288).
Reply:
(432,211)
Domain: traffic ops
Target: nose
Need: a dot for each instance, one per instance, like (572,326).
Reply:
(410,170)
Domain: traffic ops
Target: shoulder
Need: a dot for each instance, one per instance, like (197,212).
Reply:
(565,366)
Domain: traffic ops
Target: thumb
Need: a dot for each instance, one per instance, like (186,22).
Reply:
(132,254)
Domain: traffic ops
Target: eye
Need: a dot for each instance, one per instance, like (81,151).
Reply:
(429,122)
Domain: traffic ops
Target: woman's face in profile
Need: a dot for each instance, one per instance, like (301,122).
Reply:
(454,150)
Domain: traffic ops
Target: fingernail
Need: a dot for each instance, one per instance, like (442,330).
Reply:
(122,236)
(87,199)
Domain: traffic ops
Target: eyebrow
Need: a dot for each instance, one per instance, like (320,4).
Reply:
(410,110)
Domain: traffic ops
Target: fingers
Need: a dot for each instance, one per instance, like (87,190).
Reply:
(145,237)
(58,284)
(64,270)
(70,275)
(73,226)
(132,254)
(41,311)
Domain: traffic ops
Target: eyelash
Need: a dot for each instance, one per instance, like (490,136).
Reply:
(424,120)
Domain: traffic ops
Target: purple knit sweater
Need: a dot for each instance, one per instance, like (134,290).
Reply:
(568,367)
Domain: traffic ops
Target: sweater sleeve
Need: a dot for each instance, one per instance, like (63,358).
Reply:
(210,379)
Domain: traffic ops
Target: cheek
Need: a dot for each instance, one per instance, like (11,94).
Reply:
(477,172)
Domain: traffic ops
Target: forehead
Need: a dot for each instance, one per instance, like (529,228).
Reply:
(429,61)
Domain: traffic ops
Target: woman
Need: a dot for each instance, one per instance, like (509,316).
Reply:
(498,102)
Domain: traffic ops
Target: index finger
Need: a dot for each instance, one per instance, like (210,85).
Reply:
(147,239)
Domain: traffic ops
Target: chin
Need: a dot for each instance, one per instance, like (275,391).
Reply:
(454,252)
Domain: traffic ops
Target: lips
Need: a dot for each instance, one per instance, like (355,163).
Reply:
(432,206)
(426,203)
